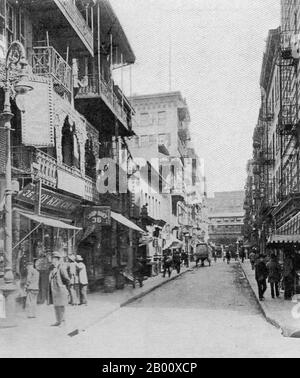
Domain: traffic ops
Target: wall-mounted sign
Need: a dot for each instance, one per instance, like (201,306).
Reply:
(98,216)
(49,200)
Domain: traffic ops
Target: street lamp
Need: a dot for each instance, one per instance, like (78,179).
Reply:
(15,59)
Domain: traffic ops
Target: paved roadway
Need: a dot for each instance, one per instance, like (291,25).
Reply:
(210,312)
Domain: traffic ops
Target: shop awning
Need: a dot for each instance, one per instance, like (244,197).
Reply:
(173,243)
(290,227)
(48,221)
(126,222)
(284,239)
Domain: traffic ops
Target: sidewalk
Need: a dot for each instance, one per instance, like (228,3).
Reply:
(79,318)
(278,312)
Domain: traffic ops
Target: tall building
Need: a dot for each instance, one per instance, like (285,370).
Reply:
(161,124)
(226,217)
(275,209)
(74,116)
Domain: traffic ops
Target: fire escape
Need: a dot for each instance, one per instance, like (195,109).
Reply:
(288,125)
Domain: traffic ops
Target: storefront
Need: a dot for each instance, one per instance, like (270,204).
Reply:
(108,244)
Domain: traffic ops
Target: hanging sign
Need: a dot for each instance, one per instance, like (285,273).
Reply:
(37,111)
(98,216)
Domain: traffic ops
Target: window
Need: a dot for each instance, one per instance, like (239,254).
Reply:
(145,119)
(21,26)
(164,139)
(10,26)
(162,118)
(2,20)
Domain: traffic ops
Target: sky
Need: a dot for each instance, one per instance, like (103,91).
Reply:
(216,53)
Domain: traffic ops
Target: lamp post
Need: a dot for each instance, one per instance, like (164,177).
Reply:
(15,58)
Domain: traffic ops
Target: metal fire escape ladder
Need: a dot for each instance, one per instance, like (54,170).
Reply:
(288,123)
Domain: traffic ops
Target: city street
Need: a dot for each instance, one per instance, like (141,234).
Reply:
(210,312)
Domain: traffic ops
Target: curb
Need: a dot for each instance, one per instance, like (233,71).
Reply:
(150,290)
(271,321)
(77,331)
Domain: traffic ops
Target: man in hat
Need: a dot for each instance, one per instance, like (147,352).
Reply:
(32,289)
(58,292)
(261,274)
(83,280)
(74,280)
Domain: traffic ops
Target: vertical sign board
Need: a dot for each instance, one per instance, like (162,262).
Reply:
(37,114)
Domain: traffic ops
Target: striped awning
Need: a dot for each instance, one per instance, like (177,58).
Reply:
(284,239)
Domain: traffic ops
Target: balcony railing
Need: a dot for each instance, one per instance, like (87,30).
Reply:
(26,159)
(79,24)
(46,61)
(99,87)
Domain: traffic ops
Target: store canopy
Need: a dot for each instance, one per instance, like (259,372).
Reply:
(48,221)
(284,239)
(126,222)
(290,227)
(173,243)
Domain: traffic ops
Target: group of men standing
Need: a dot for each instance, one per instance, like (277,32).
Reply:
(68,283)
(274,273)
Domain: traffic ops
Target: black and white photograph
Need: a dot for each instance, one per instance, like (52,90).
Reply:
(149,182)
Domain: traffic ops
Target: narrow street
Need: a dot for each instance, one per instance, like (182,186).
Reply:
(210,312)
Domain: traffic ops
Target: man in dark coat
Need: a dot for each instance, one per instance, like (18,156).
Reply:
(58,288)
(138,272)
(261,274)
(274,276)
(177,260)
(288,277)
(167,264)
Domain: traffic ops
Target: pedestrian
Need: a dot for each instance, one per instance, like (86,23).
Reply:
(252,258)
(32,289)
(228,256)
(138,272)
(59,282)
(261,274)
(82,280)
(167,264)
(214,254)
(224,254)
(242,255)
(43,266)
(185,258)
(74,289)
(274,276)
(288,277)
(177,261)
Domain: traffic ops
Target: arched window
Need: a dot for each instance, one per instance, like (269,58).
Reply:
(90,160)
(67,143)
(70,145)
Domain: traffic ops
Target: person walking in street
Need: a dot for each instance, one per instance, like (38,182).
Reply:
(185,258)
(59,282)
(177,261)
(83,280)
(224,254)
(252,258)
(167,264)
(74,289)
(242,255)
(261,274)
(274,275)
(228,256)
(288,277)
(32,289)
(138,272)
